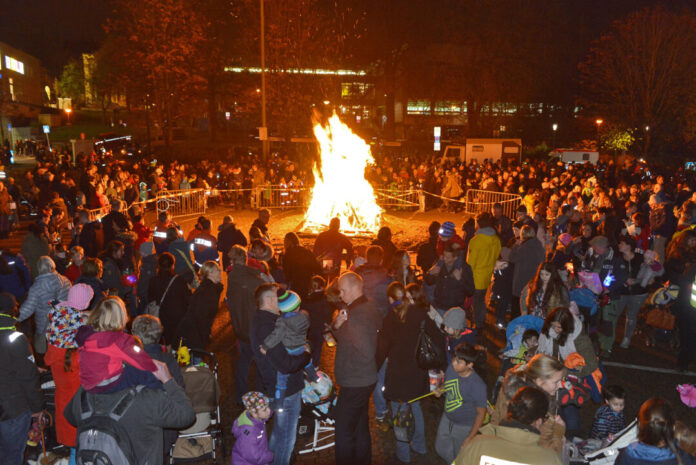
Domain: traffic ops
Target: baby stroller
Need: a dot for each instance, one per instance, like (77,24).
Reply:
(607,455)
(201,440)
(316,419)
(511,351)
(657,318)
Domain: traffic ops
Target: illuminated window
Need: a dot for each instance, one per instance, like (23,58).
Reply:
(448,107)
(14,65)
(356,89)
(12,94)
(418,107)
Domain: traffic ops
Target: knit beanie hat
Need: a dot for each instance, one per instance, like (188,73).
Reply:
(146,248)
(455,318)
(288,301)
(447,230)
(565,239)
(79,297)
(255,400)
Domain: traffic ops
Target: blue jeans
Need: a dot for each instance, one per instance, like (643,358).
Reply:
(241,376)
(381,407)
(403,449)
(282,442)
(13,438)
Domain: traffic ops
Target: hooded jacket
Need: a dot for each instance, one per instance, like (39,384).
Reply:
(19,377)
(242,282)
(251,445)
(551,433)
(527,257)
(511,441)
(194,327)
(484,249)
(638,453)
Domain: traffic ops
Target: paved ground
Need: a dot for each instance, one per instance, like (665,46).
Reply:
(408,229)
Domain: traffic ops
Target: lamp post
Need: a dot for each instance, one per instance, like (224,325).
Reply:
(555,128)
(67,112)
(598,122)
(263,132)
(646,144)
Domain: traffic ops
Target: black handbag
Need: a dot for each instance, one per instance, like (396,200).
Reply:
(429,356)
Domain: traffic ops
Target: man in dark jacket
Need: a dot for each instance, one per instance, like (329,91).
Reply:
(91,235)
(277,360)
(151,411)
(661,224)
(330,245)
(228,236)
(502,225)
(375,279)
(355,369)
(20,393)
(299,265)
(242,282)
(427,252)
(453,280)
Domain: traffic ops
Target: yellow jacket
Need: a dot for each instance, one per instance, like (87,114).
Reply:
(484,249)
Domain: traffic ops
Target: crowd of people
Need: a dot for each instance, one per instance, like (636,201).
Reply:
(587,243)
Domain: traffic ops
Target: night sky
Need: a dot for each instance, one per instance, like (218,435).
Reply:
(53,30)
(57,30)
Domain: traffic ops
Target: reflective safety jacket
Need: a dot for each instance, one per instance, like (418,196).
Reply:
(204,248)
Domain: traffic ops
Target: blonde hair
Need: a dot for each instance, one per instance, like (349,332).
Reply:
(543,367)
(686,437)
(109,315)
(527,232)
(207,268)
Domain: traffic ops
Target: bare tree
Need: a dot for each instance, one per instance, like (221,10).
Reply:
(643,75)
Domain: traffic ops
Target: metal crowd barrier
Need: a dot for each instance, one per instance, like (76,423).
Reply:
(96,214)
(478,201)
(180,203)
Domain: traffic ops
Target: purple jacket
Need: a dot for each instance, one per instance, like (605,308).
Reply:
(251,445)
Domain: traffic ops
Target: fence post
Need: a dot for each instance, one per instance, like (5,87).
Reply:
(421,201)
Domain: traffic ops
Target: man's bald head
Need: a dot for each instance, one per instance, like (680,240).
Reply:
(350,287)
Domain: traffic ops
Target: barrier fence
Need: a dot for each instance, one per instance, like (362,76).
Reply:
(478,201)
(181,203)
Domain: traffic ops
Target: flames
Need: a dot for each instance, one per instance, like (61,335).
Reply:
(340,188)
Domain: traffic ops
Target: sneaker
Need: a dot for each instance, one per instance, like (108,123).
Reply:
(626,343)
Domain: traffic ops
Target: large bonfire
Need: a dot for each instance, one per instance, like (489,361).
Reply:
(340,188)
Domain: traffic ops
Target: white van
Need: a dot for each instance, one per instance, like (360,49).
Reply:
(569,156)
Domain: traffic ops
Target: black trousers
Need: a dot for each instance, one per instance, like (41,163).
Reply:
(353,445)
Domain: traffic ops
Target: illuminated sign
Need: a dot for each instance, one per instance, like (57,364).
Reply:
(14,65)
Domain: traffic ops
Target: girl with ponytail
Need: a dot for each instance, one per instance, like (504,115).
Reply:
(656,443)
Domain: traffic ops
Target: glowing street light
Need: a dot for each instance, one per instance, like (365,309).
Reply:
(598,122)
(67,112)
(554,126)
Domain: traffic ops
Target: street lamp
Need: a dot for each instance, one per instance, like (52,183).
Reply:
(555,128)
(67,112)
(598,122)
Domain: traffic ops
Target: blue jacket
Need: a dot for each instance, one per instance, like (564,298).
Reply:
(638,453)
(606,422)
(18,281)
(277,358)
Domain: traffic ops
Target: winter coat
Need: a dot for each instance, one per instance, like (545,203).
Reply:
(91,238)
(251,441)
(194,327)
(527,257)
(355,364)
(34,247)
(276,359)
(242,282)
(376,280)
(47,287)
(427,255)
(484,249)
(299,265)
(450,292)
(19,378)
(511,441)
(147,271)
(404,380)
(151,411)
(174,304)
(552,434)
(18,281)
(228,237)
(610,263)
(638,453)
(112,276)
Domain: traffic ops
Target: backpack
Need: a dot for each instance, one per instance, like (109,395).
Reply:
(101,439)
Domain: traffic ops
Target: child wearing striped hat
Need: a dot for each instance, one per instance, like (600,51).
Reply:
(291,331)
